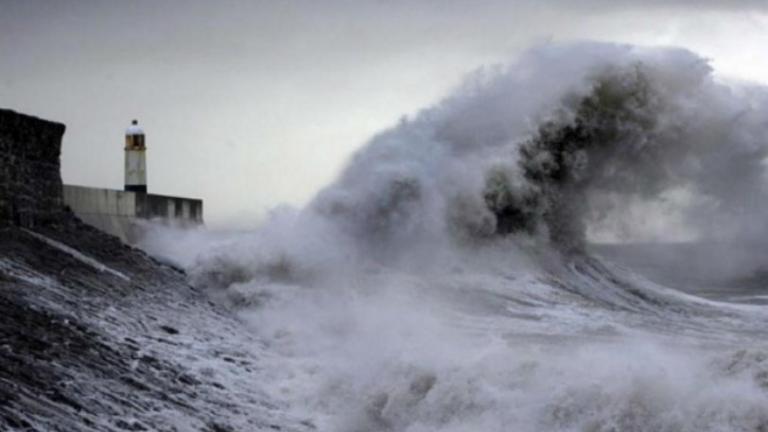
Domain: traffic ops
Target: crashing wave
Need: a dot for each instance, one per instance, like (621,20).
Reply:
(443,281)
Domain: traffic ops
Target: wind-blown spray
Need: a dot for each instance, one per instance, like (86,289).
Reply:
(442,281)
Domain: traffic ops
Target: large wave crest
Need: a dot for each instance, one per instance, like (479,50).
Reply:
(443,281)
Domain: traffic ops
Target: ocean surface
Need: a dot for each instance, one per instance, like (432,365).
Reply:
(570,242)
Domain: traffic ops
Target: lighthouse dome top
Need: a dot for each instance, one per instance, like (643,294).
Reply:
(134,129)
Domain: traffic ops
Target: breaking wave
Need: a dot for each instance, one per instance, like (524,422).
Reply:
(444,281)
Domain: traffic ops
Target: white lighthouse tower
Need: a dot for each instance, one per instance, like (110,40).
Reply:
(135,159)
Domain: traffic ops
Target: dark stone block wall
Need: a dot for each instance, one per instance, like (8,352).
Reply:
(30,181)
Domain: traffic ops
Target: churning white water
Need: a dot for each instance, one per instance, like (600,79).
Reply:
(445,282)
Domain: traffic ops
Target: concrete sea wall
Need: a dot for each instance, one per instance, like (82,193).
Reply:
(179,210)
(111,211)
(124,214)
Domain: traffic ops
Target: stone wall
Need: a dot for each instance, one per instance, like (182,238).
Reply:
(30,180)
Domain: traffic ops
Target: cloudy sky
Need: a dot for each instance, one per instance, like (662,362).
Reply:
(249,104)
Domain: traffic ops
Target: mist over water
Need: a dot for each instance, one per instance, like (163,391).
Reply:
(443,281)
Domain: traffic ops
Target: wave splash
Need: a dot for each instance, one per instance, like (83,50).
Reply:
(562,139)
(443,282)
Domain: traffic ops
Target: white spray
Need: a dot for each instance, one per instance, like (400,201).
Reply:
(441,284)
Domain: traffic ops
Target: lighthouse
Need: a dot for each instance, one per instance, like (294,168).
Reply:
(135,159)
(122,212)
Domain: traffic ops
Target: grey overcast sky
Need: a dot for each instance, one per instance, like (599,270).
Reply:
(249,104)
